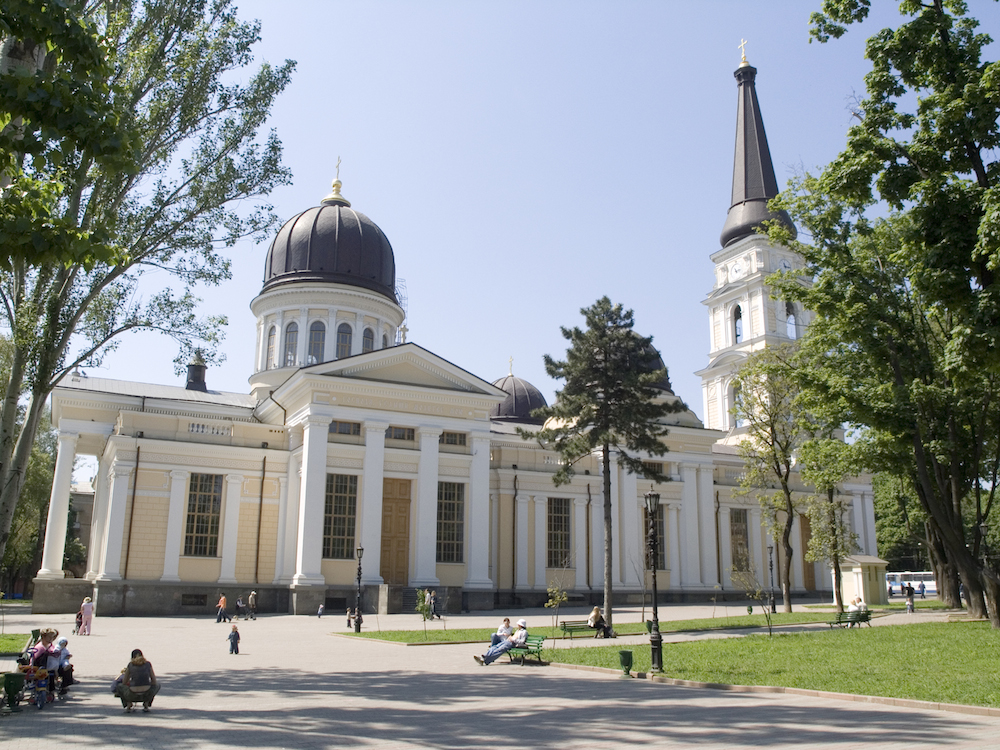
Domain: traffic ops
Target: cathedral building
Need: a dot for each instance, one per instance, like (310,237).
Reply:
(351,439)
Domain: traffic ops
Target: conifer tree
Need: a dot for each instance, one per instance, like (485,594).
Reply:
(609,405)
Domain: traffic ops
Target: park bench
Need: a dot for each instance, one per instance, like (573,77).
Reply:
(577,626)
(846,619)
(531,647)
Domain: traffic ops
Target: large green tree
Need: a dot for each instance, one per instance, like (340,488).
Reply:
(904,231)
(194,113)
(609,405)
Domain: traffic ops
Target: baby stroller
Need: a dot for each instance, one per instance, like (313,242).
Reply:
(79,623)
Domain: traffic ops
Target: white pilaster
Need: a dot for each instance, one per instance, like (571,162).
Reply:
(798,579)
(175,525)
(292,519)
(312,502)
(259,359)
(674,545)
(279,553)
(521,543)
(115,526)
(95,548)
(359,331)
(541,541)
(425,538)
(758,555)
(597,542)
(55,527)
(725,548)
(617,548)
(690,559)
(478,544)
(580,542)
(494,538)
(631,537)
(231,528)
(707,527)
(303,340)
(370,518)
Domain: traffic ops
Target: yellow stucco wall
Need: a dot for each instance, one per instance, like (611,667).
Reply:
(200,569)
(248,568)
(144,546)
(340,572)
(451,574)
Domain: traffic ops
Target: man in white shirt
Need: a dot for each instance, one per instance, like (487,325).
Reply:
(518,638)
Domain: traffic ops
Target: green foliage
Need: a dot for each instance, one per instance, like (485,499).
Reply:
(423,606)
(822,660)
(899,523)
(177,78)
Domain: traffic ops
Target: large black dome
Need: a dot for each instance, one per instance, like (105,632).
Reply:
(651,362)
(522,399)
(332,243)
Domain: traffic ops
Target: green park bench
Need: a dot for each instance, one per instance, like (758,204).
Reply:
(846,619)
(569,627)
(531,647)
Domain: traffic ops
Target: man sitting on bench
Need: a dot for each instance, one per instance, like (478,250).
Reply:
(518,638)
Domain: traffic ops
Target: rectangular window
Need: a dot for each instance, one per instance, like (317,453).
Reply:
(661,542)
(400,433)
(656,466)
(739,539)
(201,537)
(558,532)
(345,428)
(452,438)
(339,516)
(451,522)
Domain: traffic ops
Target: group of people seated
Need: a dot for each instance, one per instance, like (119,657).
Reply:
(503,641)
(47,668)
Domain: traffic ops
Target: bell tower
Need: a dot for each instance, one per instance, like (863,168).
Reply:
(743,317)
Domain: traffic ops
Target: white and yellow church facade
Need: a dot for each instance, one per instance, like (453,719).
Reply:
(350,437)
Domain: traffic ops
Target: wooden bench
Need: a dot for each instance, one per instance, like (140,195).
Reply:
(531,647)
(577,626)
(846,619)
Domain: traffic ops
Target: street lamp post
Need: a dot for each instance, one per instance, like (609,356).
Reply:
(357,602)
(770,565)
(655,639)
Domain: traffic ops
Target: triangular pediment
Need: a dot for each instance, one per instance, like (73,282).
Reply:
(406,364)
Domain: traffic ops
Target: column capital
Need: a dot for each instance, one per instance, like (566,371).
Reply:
(234,478)
(522,499)
(179,474)
(120,470)
(429,432)
(68,437)
(375,426)
(580,502)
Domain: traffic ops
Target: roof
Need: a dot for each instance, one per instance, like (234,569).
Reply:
(78,382)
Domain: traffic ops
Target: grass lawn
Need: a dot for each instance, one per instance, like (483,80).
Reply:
(436,634)
(944,662)
(12,642)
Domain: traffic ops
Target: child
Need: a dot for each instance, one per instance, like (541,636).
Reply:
(79,622)
(319,612)
(41,687)
(234,641)
(65,668)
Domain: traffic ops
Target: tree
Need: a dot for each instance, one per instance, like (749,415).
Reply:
(55,109)
(825,462)
(609,404)
(905,240)
(776,428)
(202,169)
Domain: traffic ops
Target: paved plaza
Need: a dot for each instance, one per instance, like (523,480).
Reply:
(297,684)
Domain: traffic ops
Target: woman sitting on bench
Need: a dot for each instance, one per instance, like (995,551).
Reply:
(596,621)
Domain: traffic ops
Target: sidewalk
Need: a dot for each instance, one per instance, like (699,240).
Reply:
(294,686)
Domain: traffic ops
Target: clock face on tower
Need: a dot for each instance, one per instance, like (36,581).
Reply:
(786,265)
(736,270)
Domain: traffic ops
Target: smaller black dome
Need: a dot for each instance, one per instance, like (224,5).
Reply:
(522,399)
(652,362)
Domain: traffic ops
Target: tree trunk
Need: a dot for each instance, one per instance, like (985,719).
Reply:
(608,539)
(835,536)
(992,592)
(786,545)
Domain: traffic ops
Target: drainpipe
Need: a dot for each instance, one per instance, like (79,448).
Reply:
(131,519)
(513,544)
(260,513)
(590,557)
(718,545)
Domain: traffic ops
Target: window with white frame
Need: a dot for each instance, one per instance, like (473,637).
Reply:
(339,516)
(272,334)
(317,339)
(739,539)
(201,535)
(368,340)
(661,546)
(737,324)
(451,522)
(558,529)
(291,345)
(344,337)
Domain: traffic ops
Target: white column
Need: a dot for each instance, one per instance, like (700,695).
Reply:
(541,542)
(871,541)
(758,557)
(291,535)
(231,528)
(494,538)
(370,518)
(597,542)
(95,548)
(115,526)
(580,542)
(707,526)
(261,343)
(725,548)
(674,545)
(617,549)
(175,525)
(521,543)
(631,538)
(303,340)
(857,521)
(55,527)
(425,538)
(798,579)
(690,559)
(358,338)
(279,553)
(478,568)
(312,502)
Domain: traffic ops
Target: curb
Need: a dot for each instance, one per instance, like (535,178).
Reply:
(956,708)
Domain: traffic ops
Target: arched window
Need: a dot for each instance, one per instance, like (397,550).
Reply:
(317,339)
(368,340)
(343,341)
(269,360)
(737,405)
(790,322)
(291,345)
(385,341)
(737,324)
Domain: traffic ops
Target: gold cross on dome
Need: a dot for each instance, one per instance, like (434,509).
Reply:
(743,50)
(403,330)
(510,362)
(338,160)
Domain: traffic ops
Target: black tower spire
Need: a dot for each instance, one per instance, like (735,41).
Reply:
(753,173)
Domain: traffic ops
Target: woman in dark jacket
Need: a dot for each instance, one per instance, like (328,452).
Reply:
(137,683)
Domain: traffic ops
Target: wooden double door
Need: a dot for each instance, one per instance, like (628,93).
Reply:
(395,563)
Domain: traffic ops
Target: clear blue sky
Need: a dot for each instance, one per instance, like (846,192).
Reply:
(526,158)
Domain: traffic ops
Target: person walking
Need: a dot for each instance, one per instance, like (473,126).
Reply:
(252,604)
(222,616)
(234,641)
(87,610)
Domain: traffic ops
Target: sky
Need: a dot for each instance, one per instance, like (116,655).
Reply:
(527,158)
